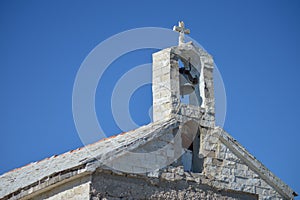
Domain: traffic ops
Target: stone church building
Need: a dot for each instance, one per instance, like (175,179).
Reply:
(181,155)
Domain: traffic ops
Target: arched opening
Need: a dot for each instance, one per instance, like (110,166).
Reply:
(190,140)
(189,82)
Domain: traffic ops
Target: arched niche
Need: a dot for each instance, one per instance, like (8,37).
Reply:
(190,141)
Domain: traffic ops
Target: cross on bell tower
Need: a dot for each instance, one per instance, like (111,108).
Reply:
(173,65)
(182,30)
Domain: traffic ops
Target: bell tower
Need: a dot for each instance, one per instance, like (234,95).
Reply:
(183,80)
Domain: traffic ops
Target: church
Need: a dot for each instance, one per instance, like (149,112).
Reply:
(182,154)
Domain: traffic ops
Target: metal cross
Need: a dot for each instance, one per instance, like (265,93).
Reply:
(182,30)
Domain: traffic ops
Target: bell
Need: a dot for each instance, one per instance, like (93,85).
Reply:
(185,86)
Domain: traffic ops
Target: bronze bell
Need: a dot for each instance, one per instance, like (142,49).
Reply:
(185,86)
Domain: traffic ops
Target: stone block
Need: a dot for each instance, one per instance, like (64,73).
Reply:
(254,182)
(231,157)
(242,167)
(217,161)
(241,180)
(221,155)
(226,171)
(262,191)
(168,176)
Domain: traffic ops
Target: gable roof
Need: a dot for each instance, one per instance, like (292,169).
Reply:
(13,182)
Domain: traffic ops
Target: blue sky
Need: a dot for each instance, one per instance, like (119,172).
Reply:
(255,45)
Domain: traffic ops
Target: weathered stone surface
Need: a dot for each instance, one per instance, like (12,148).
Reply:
(78,189)
(238,170)
(165,86)
(106,186)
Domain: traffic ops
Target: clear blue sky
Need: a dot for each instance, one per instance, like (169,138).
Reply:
(255,44)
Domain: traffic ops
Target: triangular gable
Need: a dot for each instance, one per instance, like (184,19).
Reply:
(242,170)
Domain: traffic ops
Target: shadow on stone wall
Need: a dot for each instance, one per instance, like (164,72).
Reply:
(112,186)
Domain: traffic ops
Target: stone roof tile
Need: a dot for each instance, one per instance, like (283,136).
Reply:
(33,172)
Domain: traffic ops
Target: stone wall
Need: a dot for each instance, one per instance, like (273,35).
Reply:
(78,189)
(166,87)
(165,84)
(112,186)
(158,153)
(226,170)
(207,83)
(225,173)
(164,150)
(221,167)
